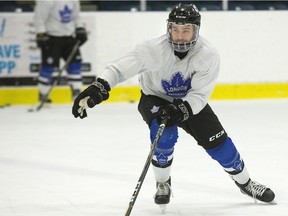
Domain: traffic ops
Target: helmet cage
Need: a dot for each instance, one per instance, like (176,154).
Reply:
(182,46)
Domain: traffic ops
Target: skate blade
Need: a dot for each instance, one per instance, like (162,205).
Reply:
(256,201)
(47,105)
(163,208)
(36,108)
(273,202)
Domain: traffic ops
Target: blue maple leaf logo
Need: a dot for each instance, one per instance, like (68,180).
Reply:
(177,87)
(162,159)
(65,14)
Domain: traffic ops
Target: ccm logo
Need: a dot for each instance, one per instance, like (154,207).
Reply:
(216,136)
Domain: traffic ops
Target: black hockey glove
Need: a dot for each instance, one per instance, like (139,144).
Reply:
(175,112)
(42,39)
(97,92)
(81,35)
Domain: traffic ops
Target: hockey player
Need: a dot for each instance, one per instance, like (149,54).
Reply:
(177,74)
(58,27)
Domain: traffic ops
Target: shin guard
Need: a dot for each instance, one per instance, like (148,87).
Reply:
(229,158)
(163,155)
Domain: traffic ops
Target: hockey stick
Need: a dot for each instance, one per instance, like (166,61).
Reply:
(146,167)
(56,81)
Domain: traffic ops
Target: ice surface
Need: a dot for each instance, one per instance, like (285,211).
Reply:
(52,164)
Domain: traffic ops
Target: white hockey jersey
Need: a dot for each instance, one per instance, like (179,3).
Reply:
(57,18)
(163,74)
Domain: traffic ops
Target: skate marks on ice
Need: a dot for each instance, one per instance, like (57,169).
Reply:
(210,209)
(68,171)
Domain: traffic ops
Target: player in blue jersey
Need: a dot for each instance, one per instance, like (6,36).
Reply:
(177,73)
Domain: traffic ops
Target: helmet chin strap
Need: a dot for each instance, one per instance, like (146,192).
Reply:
(180,55)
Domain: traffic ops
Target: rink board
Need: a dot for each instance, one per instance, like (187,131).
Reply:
(62,95)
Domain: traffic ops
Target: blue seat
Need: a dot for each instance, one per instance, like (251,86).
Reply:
(117,5)
(238,6)
(160,5)
(210,7)
(271,5)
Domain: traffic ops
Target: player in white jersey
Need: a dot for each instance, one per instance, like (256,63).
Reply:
(178,72)
(58,28)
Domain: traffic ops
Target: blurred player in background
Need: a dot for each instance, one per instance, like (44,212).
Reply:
(58,28)
(177,73)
